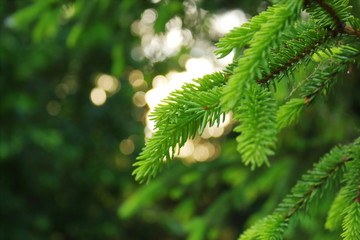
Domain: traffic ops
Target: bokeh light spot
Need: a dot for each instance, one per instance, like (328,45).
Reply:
(135,75)
(140,84)
(174,38)
(127,146)
(139,99)
(149,16)
(108,83)
(199,66)
(223,23)
(98,96)
(201,153)
(187,150)
(62,90)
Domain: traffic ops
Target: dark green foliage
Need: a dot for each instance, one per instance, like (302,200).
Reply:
(59,176)
(62,175)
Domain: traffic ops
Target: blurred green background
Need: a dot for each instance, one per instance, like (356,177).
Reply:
(73,83)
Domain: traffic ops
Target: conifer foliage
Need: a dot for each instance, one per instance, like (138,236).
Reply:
(320,35)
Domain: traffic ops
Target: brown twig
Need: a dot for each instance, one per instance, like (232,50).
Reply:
(339,23)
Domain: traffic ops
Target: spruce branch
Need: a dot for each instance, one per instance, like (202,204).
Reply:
(254,231)
(255,57)
(339,23)
(351,221)
(354,26)
(239,37)
(323,78)
(289,112)
(324,175)
(277,43)
(347,200)
(304,40)
(257,128)
(178,118)
(331,13)
(319,82)
(335,214)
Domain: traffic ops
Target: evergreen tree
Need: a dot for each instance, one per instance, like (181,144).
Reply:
(271,49)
